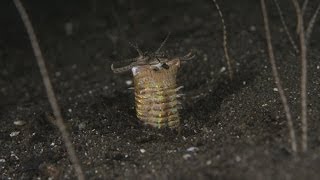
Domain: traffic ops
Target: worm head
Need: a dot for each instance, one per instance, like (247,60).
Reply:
(164,65)
(156,60)
(152,59)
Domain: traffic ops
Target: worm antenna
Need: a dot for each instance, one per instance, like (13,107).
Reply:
(189,56)
(163,43)
(136,47)
(131,60)
(126,61)
(122,69)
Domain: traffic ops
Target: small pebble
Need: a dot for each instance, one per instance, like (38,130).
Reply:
(184,138)
(142,151)
(186,156)
(253,28)
(68,27)
(192,149)
(2,160)
(82,125)
(19,123)
(209,162)
(238,158)
(205,57)
(275,89)
(14,155)
(15,133)
(128,82)
(222,69)
(58,74)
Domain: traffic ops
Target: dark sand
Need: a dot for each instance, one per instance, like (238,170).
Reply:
(230,130)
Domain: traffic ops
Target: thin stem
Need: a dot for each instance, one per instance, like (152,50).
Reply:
(304,120)
(297,14)
(50,93)
(304,6)
(276,77)
(225,45)
(311,25)
(286,27)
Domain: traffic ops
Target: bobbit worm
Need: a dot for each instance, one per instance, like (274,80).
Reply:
(155,86)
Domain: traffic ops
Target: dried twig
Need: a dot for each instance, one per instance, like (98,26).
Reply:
(286,27)
(311,25)
(225,45)
(297,16)
(50,93)
(304,6)
(303,47)
(276,77)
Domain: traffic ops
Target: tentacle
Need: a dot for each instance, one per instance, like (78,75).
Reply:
(162,44)
(189,56)
(127,61)
(122,69)
(136,47)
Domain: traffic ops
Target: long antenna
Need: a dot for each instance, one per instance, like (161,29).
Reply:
(163,43)
(136,47)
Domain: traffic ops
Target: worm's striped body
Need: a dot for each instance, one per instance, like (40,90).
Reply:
(155,87)
(156,94)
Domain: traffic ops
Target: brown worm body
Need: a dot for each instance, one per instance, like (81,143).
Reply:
(155,86)
(156,94)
